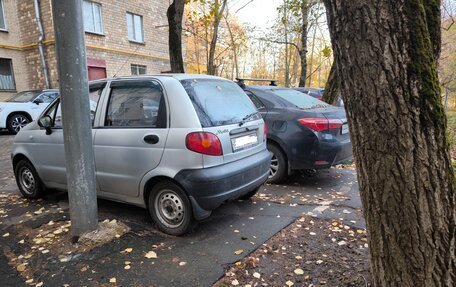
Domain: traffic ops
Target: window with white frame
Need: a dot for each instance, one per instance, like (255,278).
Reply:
(6,75)
(138,69)
(135,27)
(2,16)
(93,21)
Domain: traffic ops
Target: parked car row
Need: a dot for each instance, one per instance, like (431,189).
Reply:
(194,142)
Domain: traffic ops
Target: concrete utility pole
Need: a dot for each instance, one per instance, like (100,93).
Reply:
(77,128)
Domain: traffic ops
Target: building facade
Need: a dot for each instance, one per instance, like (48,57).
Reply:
(122,38)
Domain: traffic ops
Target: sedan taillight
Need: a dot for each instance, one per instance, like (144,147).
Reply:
(321,124)
(204,143)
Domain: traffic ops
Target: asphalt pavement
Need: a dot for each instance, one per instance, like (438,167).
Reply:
(198,259)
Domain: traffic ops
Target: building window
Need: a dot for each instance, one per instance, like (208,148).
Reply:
(6,75)
(93,22)
(138,69)
(135,27)
(2,17)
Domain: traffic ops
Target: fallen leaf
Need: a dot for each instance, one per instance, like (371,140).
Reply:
(257,275)
(127,267)
(340,243)
(29,281)
(319,262)
(237,252)
(20,268)
(22,241)
(289,283)
(39,284)
(298,257)
(150,254)
(112,280)
(6,235)
(183,263)
(312,233)
(306,277)
(127,250)
(298,271)
(235,282)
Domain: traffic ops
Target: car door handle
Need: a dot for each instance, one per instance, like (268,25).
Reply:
(151,139)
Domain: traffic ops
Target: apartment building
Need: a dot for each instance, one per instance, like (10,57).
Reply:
(122,38)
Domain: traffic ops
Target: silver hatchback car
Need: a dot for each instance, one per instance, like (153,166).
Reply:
(179,145)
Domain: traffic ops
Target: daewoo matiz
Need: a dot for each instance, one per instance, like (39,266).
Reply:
(178,145)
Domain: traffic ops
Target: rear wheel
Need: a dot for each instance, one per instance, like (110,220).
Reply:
(16,122)
(278,167)
(27,179)
(170,208)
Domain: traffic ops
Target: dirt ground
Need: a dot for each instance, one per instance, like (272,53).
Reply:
(309,252)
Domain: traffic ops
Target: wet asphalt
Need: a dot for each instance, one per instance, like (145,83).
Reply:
(196,259)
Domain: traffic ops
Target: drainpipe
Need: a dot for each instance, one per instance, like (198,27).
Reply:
(40,43)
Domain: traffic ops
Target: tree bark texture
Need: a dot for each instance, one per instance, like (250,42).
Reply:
(175,14)
(386,60)
(332,88)
(303,50)
(211,68)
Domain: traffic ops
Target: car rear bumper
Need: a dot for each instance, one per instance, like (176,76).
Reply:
(324,155)
(208,188)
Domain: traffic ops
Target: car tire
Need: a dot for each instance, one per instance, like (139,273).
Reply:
(250,194)
(27,180)
(170,208)
(278,167)
(16,122)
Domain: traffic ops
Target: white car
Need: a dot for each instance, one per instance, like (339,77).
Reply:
(24,107)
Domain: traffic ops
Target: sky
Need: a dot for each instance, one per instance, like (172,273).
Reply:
(259,13)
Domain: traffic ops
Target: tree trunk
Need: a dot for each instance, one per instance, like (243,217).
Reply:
(332,89)
(386,60)
(312,56)
(175,14)
(211,68)
(303,51)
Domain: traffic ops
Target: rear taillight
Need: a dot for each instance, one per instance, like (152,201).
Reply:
(265,131)
(321,124)
(204,143)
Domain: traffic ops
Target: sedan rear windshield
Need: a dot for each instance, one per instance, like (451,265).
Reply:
(219,102)
(24,97)
(299,99)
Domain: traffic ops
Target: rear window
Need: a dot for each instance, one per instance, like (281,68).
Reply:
(219,102)
(299,99)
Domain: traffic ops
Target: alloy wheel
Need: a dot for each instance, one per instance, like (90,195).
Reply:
(274,167)
(19,122)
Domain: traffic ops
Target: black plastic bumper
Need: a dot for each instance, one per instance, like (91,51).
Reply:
(208,188)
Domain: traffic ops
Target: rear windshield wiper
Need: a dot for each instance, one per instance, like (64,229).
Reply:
(244,119)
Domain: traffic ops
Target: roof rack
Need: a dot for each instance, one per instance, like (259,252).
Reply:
(241,81)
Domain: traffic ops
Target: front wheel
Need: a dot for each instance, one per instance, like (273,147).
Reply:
(170,208)
(27,180)
(16,122)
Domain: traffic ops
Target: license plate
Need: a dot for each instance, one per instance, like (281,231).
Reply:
(243,142)
(344,129)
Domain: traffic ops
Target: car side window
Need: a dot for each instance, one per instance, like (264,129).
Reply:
(48,97)
(56,115)
(136,104)
(258,104)
(95,91)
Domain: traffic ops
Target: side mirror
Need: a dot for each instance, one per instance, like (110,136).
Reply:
(46,122)
(38,101)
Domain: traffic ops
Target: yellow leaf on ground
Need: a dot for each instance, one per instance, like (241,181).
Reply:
(237,252)
(112,280)
(289,283)
(298,271)
(127,267)
(127,250)
(150,254)
(20,268)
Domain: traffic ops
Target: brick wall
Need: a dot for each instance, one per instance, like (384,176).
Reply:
(113,45)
